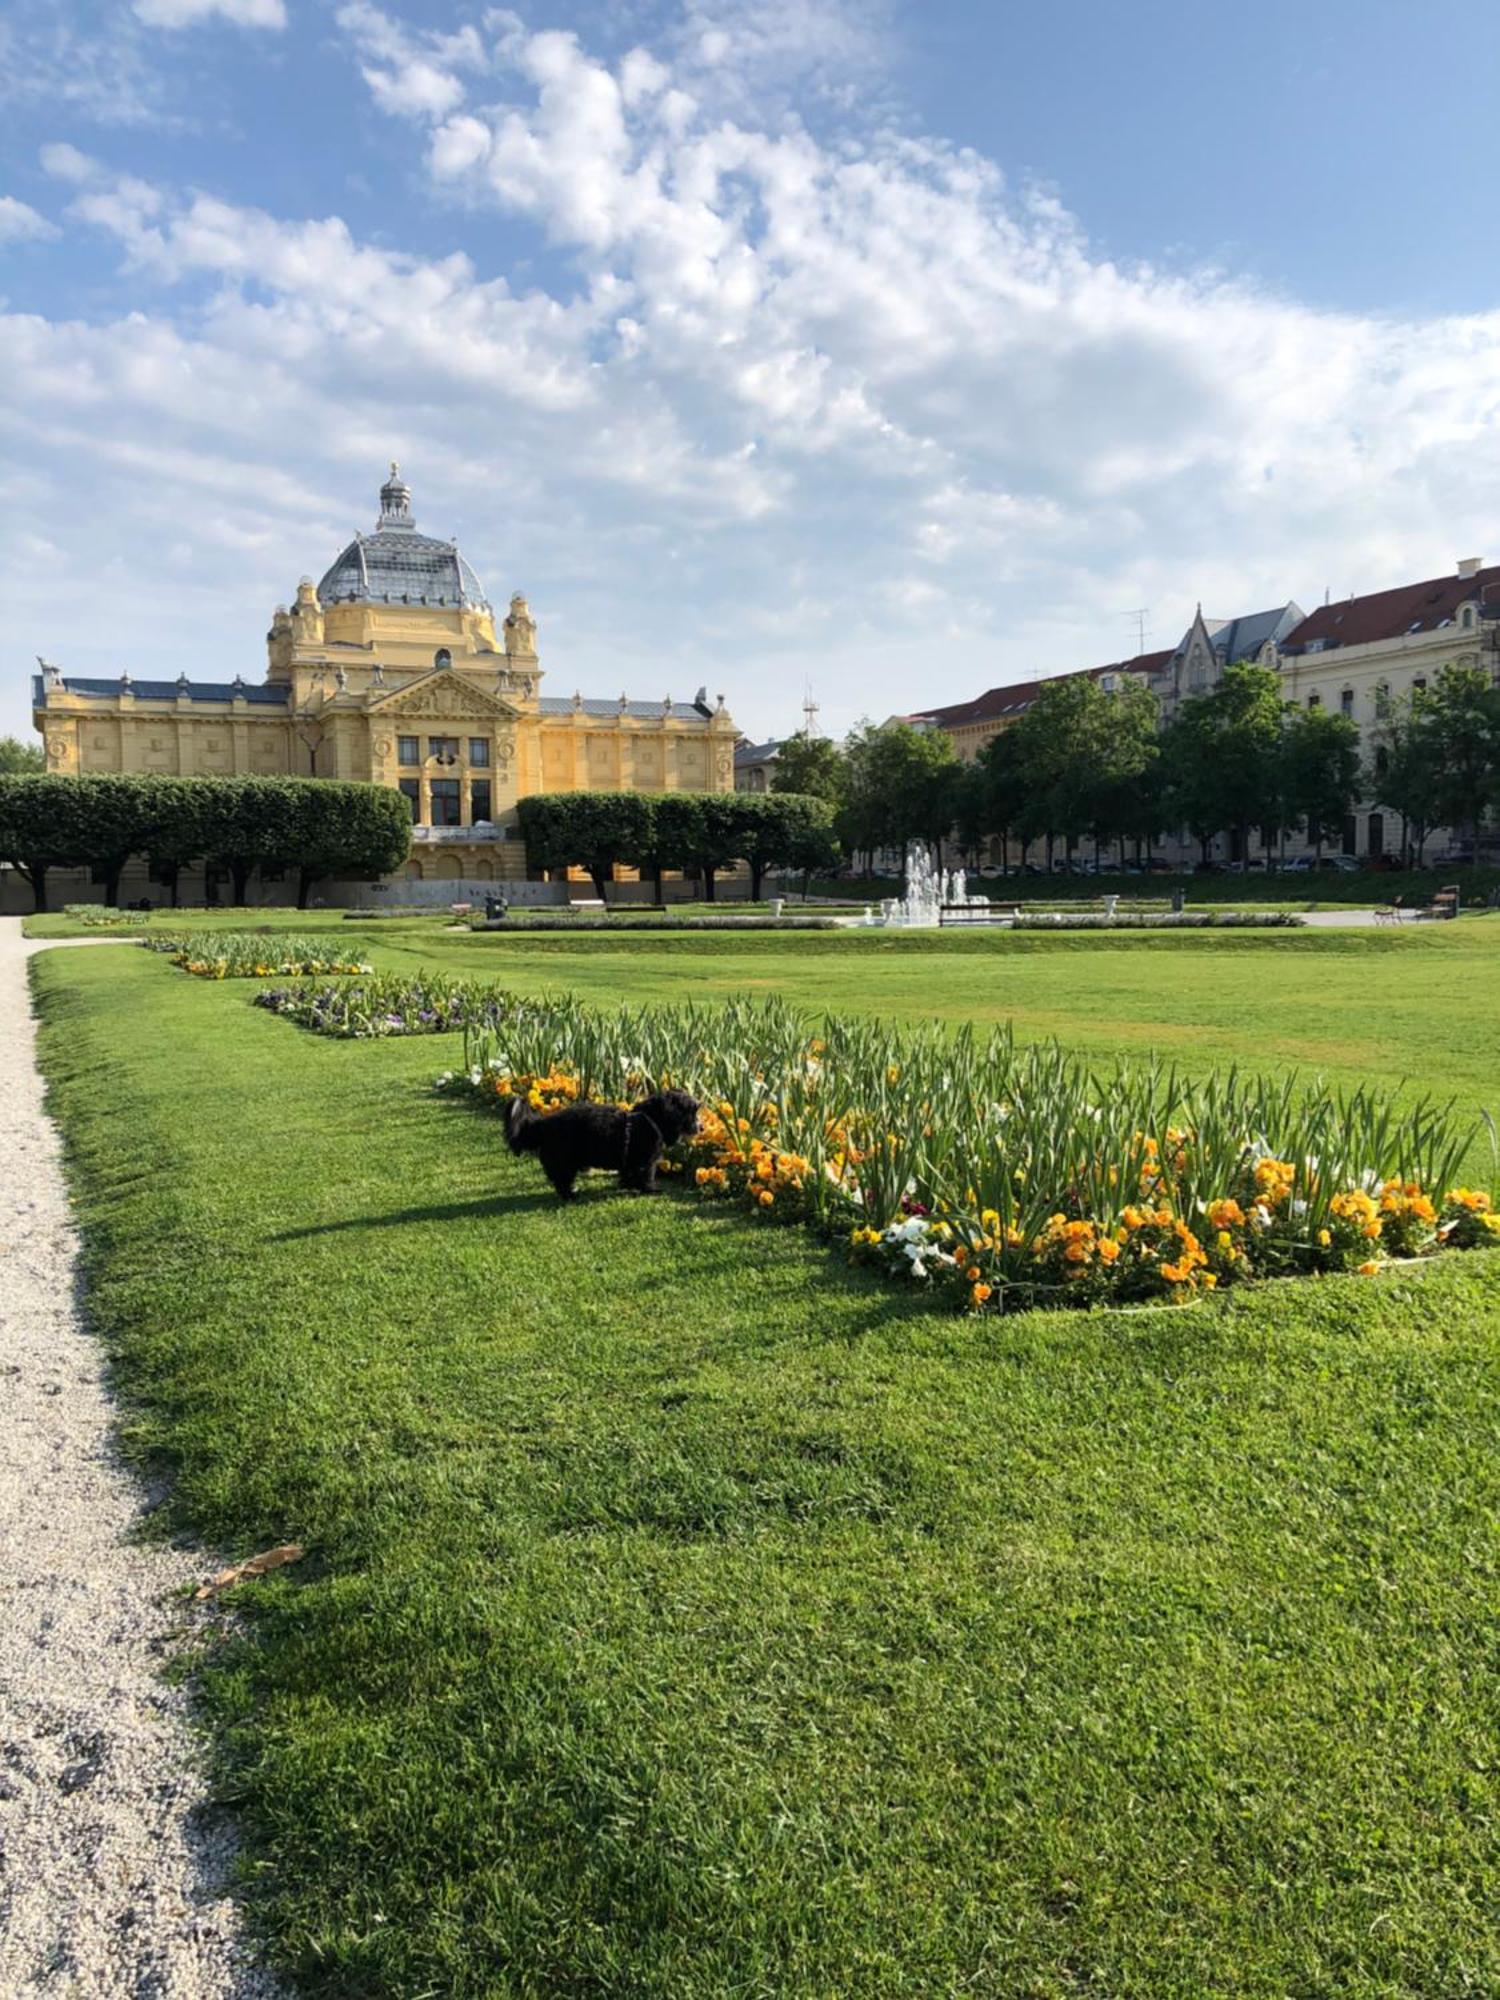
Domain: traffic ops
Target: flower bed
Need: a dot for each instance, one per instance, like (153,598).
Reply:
(239,955)
(100,917)
(1008,1176)
(388,1004)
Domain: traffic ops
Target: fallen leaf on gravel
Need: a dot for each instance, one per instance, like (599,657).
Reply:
(256,1566)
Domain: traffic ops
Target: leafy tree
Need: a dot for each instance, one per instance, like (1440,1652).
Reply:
(44,824)
(901,787)
(592,830)
(1403,772)
(971,812)
(1320,771)
(335,828)
(1053,760)
(703,830)
(1222,755)
(781,829)
(1003,807)
(18,759)
(811,766)
(178,824)
(251,824)
(1459,724)
(1123,748)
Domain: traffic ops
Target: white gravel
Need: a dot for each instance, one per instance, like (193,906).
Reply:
(112,1872)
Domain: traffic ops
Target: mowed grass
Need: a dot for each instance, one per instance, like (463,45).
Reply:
(687,1615)
(1409,1010)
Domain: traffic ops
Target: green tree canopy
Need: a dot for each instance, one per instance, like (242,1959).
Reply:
(1458,722)
(18,759)
(811,766)
(1222,753)
(1320,771)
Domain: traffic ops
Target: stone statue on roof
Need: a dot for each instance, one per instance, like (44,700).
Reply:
(520,629)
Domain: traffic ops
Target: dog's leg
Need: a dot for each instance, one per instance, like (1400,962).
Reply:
(561,1178)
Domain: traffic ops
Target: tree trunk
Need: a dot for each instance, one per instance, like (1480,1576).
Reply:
(757,876)
(239,874)
(35,873)
(599,875)
(708,885)
(305,879)
(112,873)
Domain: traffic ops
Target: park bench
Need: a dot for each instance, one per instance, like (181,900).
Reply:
(1444,902)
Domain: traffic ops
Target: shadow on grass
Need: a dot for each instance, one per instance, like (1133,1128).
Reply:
(444,1211)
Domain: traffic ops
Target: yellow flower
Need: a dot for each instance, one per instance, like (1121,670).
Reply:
(980,1293)
(765,1198)
(1368,1270)
(1324,1238)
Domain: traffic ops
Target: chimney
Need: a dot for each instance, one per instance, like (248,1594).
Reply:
(1468,565)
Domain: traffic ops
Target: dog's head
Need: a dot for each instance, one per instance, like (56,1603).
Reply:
(673,1113)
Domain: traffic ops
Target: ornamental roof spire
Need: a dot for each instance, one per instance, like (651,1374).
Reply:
(395,503)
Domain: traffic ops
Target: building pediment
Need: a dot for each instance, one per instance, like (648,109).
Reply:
(441,694)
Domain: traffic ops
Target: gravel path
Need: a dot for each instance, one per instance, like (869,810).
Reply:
(111,1872)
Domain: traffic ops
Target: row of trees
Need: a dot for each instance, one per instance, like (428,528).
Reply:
(1083,763)
(699,831)
(316,827)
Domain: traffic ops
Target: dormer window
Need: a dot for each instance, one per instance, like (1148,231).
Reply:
(442,657)
(1466,617)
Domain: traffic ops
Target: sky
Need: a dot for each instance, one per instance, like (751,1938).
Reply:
(891,350)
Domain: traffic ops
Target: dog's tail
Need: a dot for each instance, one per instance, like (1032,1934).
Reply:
(521,1124)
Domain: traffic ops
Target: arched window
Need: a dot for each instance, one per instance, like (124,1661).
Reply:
(442,657)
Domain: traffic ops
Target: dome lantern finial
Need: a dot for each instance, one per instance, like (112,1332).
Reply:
(395,503)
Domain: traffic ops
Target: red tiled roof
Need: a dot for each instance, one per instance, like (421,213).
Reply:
(1390,614)
(998,702)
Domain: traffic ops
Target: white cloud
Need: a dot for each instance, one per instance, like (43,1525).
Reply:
(66,163)
(802,393)
(188,13)
(20,223)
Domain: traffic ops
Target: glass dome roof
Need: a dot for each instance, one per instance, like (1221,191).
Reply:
(396,565)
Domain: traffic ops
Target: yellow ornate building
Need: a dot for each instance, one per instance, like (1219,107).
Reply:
(391,671)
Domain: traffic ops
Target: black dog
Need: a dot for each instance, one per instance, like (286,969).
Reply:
(599,1135)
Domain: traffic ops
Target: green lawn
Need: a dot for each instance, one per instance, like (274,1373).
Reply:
(686,1615)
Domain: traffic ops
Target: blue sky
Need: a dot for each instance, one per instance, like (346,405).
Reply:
(900,349)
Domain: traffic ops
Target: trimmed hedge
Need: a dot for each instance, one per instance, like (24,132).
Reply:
(317,826)
(653,831)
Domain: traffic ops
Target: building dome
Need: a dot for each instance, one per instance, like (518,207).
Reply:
(396,565)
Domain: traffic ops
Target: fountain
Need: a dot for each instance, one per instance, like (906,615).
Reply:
(928,889)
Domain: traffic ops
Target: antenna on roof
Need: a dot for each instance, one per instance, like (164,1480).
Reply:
(809,710)
(1142,626)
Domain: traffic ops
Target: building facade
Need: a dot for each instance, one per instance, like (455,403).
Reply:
(1351,657)
(392,671)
